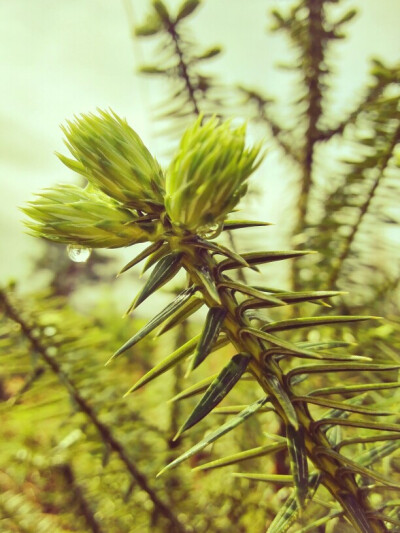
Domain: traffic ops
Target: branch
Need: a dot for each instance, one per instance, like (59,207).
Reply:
(104,431)
(183,67)
(364,209)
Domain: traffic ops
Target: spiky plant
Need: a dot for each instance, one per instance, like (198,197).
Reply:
(129,199)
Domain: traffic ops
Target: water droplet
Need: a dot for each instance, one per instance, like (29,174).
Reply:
(209,231)
(49,331)
(78,254)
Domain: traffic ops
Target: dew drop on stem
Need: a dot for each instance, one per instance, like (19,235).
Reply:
(209,231)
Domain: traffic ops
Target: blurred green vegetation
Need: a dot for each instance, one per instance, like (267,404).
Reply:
(76,455)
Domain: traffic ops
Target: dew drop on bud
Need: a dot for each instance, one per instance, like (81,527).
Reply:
(209,231)
(78,254)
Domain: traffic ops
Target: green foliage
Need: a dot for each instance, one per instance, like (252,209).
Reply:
(329,461)
(266,355)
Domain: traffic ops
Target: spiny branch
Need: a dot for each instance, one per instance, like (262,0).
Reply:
(105,432)
(363,210)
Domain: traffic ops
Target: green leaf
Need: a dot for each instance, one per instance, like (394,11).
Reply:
(276,341)
(177,303)
(164,270)
(315,524)
(193,390)
(350,389)
(208,285)
(349,15)
(230,225)
(214,320)
(260,451)
(208,54)
(377,453)
(259,258)
(167,363)
(298,462)
(281,479)
(145,253)
(202,386)
(356,424)
(324,402)
(306,296)
(187,310)
(218,389)
(290,509)
(156,256)
(317,354)
(162,11)
(212,437)
(371,453)
(186,8)
(296,323)
(289,413)
(251,291)
(152,69)
(220,249)
(236,409)
(357,468)
(340,367)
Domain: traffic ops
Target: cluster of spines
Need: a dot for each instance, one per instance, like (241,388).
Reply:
(210,286)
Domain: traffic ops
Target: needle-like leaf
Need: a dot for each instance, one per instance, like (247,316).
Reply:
(298,462)
(281,479)
(238,224)
(176,304)
(145,253)
(259,258)
(260,451)
(219,432)
(296,323)
(184,312)
(218,389)
(166,364)
(164,270)
(212,327)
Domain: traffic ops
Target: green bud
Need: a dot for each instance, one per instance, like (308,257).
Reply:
(112,157)
(72,215)
(208,175)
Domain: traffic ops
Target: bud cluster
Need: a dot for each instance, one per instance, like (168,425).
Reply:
(128,196)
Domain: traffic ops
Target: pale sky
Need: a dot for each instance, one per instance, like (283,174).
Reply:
(63,57)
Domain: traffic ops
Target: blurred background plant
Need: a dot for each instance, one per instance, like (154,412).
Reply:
(76,456)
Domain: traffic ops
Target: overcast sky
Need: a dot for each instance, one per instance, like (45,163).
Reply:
(63,57)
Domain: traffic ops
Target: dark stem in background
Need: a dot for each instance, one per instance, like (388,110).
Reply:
(363,210)
(312,79)
(105,432)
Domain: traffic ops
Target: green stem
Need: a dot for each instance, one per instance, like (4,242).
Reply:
(343,487)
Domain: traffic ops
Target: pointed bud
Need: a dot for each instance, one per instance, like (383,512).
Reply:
(113,158)
(72,215)
(208,175)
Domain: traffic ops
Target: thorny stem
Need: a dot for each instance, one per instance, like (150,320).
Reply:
(343,487)
(363,210)
(314,110)
(183,68)
(312,80)
(105,432)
